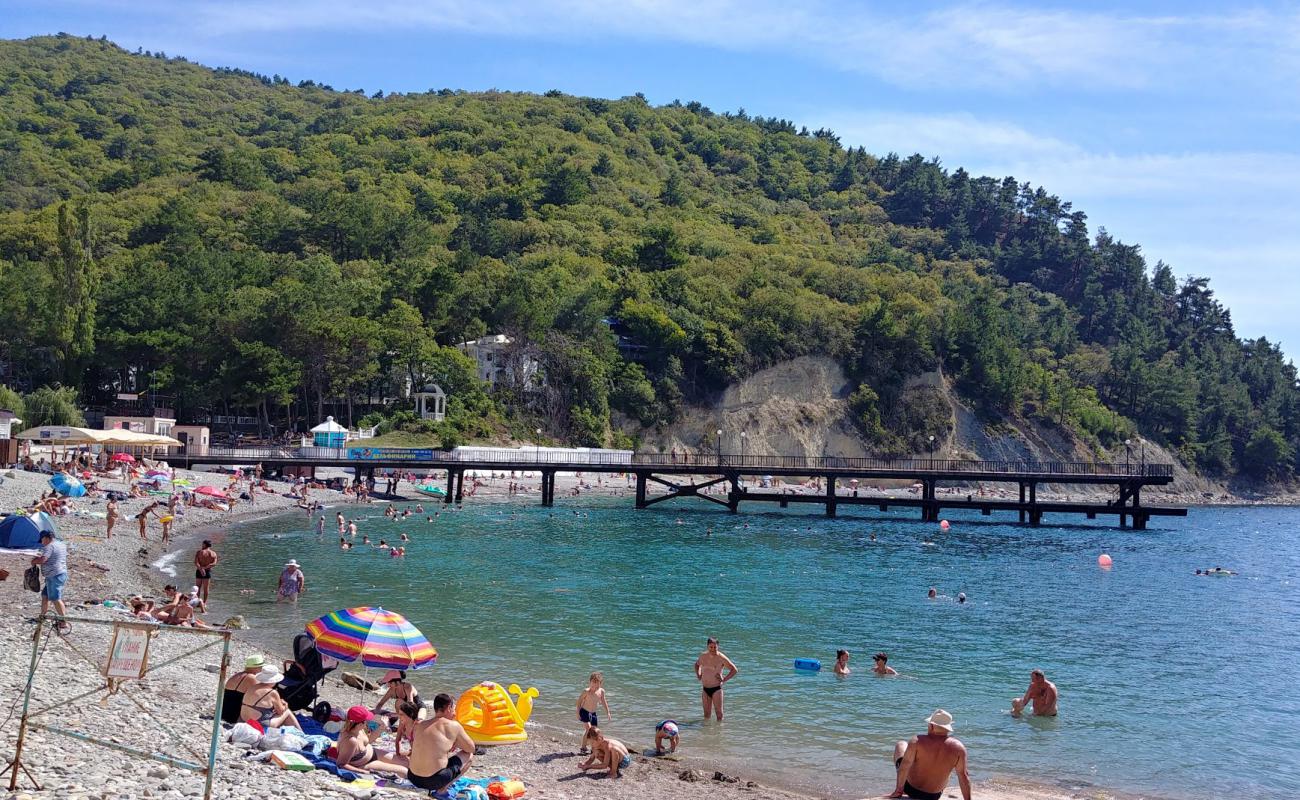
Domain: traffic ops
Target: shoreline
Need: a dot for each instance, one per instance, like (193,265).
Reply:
(546,762)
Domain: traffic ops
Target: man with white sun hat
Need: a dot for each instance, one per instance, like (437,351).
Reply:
(925,763)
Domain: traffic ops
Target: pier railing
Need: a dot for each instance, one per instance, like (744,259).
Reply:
(751,464)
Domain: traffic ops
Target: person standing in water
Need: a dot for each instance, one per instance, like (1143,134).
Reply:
(204,560)
(1041,692)
(708,670)
(882,665)
(292,582)
(842,663)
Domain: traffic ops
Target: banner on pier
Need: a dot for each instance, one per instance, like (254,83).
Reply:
(391,454)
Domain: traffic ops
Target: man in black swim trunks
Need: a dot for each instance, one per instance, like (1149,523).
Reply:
(925,763)
(441,750)
(204,560)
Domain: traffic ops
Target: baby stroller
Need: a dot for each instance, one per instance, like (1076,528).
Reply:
(303,674)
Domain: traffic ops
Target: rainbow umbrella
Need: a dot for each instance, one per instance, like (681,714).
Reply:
(380,638)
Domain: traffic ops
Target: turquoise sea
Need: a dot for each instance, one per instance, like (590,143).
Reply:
(1170,683)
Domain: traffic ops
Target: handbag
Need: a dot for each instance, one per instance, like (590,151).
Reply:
(32,578)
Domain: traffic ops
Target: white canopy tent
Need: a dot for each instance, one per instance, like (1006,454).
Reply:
(65,434)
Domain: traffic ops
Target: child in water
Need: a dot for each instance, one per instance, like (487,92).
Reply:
(592,696)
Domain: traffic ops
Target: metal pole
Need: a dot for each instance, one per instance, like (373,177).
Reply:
(27,699)
(216,716)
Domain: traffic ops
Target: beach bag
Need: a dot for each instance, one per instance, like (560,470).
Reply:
(245,734)
(32,578)
(506,790)
(294,762)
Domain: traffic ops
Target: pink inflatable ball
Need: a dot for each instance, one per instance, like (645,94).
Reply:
(1104,561)
(943,525)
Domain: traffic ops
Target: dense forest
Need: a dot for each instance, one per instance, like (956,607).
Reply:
(242,243)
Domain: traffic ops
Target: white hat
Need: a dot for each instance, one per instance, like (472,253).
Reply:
(941,719)
(194,590)
(269,675)
(291,563)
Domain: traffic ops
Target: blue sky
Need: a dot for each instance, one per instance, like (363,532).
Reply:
(1173,125)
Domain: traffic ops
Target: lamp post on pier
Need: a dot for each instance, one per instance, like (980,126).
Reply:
(719,446)
(932,452)
(1127,451)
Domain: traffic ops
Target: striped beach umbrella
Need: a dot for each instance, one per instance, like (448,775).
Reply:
(379,638)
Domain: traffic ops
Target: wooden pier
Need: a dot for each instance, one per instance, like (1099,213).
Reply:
(692,475)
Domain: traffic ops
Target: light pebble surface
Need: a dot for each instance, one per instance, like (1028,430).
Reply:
(182,693)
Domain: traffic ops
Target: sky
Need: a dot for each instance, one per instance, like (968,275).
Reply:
(1173,125)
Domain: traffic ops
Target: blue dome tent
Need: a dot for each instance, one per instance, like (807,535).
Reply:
(24,533)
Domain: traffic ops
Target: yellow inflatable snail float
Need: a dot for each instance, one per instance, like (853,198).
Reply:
(490,716)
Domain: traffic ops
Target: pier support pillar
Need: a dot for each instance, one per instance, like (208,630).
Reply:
(1035,516)
(733,493)
(1139,516)
(1021,510)
(640,490)
(451,487)
(460,487)
(830,496)
(548,488)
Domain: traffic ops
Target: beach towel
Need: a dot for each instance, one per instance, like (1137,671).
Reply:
(328,765)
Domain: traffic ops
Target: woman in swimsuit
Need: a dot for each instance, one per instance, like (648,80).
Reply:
(399,691)
(111,516)
(355,751)
(263,703)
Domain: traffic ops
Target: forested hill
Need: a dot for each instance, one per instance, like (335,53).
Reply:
(239,242)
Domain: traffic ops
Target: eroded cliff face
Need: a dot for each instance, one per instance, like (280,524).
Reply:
(800,408)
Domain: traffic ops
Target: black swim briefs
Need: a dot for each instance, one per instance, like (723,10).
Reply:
(202,574)
(711,690)
(440,779)
(920,794)
(588,716)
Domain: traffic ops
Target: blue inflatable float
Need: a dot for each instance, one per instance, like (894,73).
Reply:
(808,664)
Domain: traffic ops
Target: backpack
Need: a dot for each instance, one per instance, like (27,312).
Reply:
(32,578)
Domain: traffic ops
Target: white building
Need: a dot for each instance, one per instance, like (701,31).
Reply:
(7,422)
(498,362)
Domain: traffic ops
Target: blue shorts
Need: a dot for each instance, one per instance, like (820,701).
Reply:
(53,589)
(588,716)
(626,762)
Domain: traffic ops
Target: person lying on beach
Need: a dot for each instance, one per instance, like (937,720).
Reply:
(666,731)
(589,699)
(441,750)
(842,663)
(882,665)
(926,762)
(1041,692)
(356,749)
(606,753)
(141,608)
(263,703)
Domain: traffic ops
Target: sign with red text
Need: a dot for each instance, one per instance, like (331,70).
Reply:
(128,655)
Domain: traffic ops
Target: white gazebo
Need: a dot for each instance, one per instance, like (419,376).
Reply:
(7,423)
(431,403)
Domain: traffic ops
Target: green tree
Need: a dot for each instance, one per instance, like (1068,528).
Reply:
(52,405)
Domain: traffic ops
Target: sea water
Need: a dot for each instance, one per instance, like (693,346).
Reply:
(1169,683)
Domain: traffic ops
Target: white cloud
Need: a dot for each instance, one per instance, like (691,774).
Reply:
(994,47)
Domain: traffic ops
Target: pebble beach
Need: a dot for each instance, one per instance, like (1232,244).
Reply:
(180,694)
